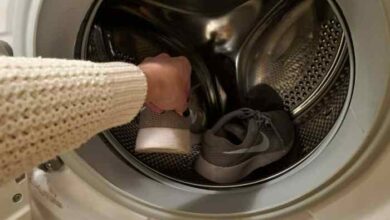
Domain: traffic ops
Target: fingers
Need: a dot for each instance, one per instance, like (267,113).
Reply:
(184,67)
(184,60)
(185,75)
(181,107)
(151,59)
(147,59)
(174,87)
(188,89)
(181,104)
(153,107)
(185,63)
(163,55)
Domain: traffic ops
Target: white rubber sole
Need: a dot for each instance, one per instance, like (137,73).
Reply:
(237,172)
(163,140)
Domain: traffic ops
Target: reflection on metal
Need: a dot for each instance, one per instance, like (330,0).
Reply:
(299,53)
(229,30)
(52,165)
(198,7)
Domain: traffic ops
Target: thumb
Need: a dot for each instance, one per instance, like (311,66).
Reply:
(181,107)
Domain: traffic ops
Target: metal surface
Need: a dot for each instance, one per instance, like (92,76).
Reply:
(52,165)
(129,38)
(304,67)
(203,7)
(298,53)
(311,128)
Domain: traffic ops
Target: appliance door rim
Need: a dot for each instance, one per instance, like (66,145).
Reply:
(365,127)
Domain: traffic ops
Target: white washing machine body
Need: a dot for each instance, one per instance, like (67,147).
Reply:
(344,179)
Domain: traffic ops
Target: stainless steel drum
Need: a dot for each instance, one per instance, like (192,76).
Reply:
(298,52)
(296,47)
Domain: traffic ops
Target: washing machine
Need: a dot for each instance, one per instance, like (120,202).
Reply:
(327,59)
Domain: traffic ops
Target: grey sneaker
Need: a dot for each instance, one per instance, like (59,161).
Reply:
(169,132)
(243,141)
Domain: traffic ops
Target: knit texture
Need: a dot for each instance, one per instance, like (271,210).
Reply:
(49,106)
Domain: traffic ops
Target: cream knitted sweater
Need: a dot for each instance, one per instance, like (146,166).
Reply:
(49,106)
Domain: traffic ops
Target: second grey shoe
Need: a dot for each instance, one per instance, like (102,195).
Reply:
(243,141)
(167,132)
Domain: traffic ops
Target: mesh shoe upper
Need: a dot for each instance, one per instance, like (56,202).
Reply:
(245,133)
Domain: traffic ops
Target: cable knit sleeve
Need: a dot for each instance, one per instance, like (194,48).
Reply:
(49,106)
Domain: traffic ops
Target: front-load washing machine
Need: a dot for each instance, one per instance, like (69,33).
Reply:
(327,59)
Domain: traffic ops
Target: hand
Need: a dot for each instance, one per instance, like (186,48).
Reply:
(169,81)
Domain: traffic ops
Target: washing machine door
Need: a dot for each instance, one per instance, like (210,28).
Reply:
(342,118)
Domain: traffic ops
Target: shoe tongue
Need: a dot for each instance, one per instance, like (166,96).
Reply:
(235,133)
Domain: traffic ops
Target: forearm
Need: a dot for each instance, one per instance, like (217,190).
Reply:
(50,106)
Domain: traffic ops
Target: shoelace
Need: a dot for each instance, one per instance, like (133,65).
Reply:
(261,120)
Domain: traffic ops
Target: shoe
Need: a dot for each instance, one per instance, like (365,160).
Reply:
(243,141)
(264,98)
(167,132)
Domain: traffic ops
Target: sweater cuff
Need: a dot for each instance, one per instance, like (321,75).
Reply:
(128,92)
